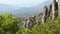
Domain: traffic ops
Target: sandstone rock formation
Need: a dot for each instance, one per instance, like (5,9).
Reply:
(40,17)
(50,12)
(45,14)
(59,7)
(30,21)
(53,8)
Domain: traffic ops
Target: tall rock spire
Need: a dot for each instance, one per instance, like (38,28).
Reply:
(53,8)
(45,13)
(50,11)
(59,7)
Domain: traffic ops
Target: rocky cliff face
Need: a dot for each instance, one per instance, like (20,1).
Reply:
(53,8)
(49,12)
(59,6)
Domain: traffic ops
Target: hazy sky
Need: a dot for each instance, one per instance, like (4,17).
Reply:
(22,2)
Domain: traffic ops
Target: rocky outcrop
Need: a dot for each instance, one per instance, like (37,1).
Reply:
(40,18)
(50,12)
(53,8)
(30,21)
(59,7)
(45,14)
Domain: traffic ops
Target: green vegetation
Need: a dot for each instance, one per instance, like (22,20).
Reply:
(50,27)
(8,25)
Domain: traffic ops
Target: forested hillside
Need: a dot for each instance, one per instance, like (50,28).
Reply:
(50,27)
(8,25)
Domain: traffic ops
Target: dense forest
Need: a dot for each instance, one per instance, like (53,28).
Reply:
(8,25)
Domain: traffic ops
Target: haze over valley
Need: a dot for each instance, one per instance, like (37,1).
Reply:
(23,11)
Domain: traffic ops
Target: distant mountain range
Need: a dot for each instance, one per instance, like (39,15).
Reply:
(23,12)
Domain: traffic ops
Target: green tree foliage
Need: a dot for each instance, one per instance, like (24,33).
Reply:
(50,27)
(8,24)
